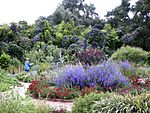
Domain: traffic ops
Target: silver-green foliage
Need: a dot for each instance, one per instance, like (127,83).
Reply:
(84,104)
(123,104)
(13,103)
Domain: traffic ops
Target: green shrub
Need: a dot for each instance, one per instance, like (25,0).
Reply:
(4,87)
(123,104)
(12,103)
(84,104)
(24,77)
(132,54)
(7,81)
(4,60)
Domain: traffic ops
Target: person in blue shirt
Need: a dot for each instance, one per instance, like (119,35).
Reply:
(27,65)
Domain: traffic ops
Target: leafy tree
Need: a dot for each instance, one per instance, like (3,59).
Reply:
(16,51)
(80,12)
(5,33)
(112,40)
(24,43)
(65,32)
(44,29)
(59,15)
(120,19)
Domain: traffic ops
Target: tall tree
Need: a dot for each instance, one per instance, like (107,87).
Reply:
(78,11)
(129,26)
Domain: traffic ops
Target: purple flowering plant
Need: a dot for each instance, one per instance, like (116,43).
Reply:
(125,65)
(126,68)
(105,75)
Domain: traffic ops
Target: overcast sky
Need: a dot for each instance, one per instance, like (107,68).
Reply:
(30,10)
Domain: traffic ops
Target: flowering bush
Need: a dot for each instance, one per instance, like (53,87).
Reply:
(106,75)
(41,88)
(63,93)
(139,85)
(125,65)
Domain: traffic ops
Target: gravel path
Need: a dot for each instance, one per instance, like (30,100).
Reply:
(22,90)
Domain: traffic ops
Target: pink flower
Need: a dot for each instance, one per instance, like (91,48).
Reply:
(140,80)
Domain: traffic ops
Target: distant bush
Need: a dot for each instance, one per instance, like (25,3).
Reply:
(16,51)
(4,60)
(123,104)
(132,54)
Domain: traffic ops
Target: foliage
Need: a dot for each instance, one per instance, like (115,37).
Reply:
(126,104)
(5,33)
(43,53)
(42,89)
(132,54)
(15,66)
(15,62)
(84,104)
(7,81)
(80,12)
(126,24)
(24,77)
(112,39)
(16,51)
(36,56)
(15,104)
(91,56)
(106,75)
(4,60)
(24,43)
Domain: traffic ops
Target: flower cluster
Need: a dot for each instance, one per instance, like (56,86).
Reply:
(38,88)
(106,75)
(63,93)
(125,65)
(140,80)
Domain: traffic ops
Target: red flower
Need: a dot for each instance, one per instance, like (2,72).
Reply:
(46,86)
(38,90)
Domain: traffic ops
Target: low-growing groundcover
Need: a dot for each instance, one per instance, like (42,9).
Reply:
(24,77)
(112,103)
(6,81)
(84,104)
(123,104)
(41,89)
(13,103)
